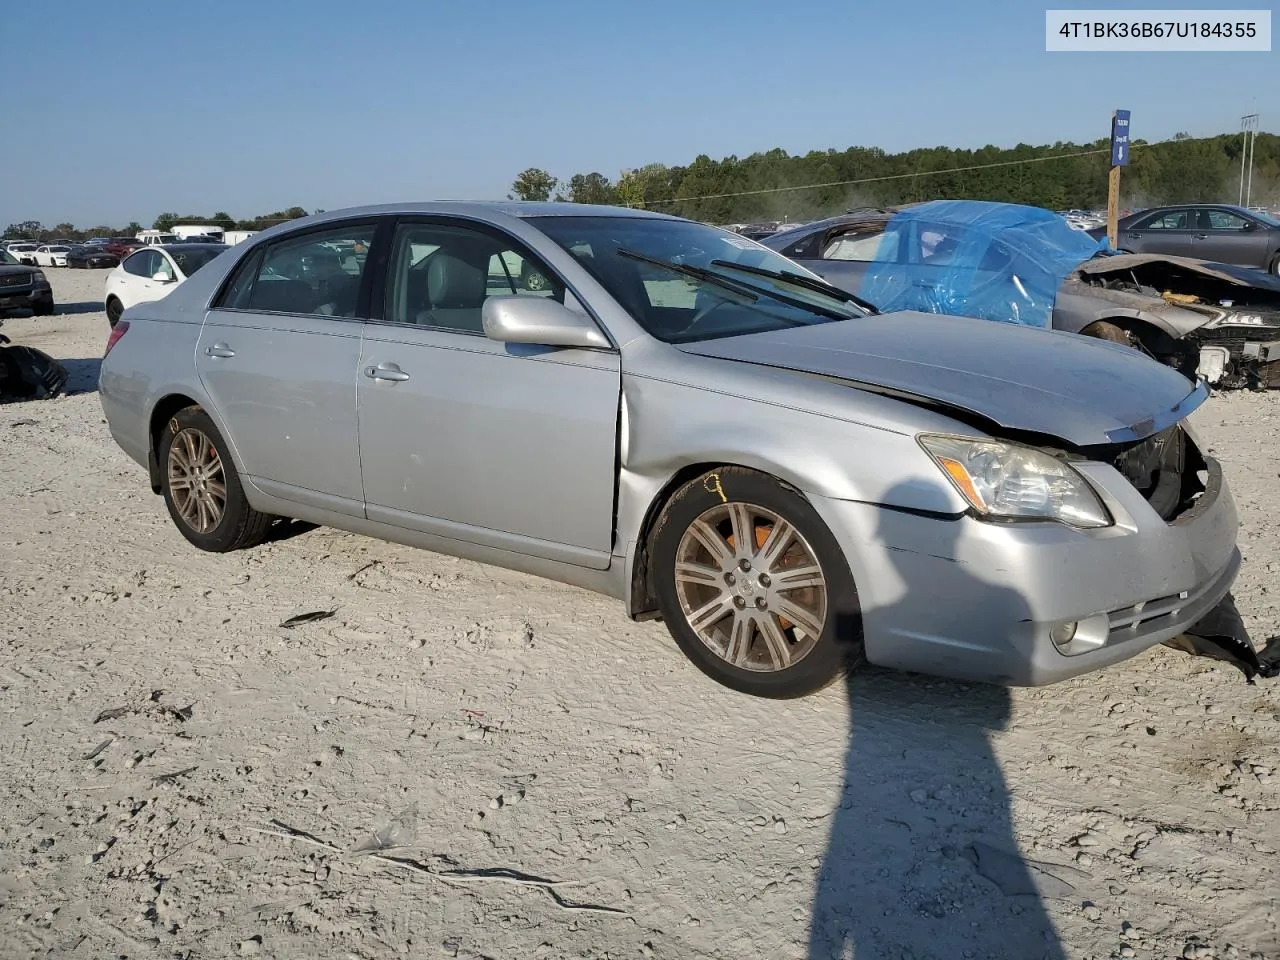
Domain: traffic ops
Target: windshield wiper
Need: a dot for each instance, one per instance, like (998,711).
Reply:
(697,273)
(800,280)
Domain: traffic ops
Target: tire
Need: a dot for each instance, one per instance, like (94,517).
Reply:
(742,601)
(1275,266)
(190,440)
(114,309)
(532,279)
(44,308)
(1104,330)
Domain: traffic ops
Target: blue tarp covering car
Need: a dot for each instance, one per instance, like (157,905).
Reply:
(997,261)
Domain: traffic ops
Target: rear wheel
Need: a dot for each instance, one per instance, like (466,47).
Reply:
(753,587)
(114,309)
(201,487)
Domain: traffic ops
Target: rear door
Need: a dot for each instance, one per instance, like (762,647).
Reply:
(510,446)
(1168,232)
(278,357)
(1229,237)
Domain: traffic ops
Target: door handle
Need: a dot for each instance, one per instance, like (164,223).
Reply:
(386,371)
(1199,236)
(219,350)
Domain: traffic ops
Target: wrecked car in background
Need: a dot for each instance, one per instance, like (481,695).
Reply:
(684,420)
(1025,265)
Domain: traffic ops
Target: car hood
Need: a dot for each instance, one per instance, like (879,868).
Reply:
(1079,390)
(1241,276)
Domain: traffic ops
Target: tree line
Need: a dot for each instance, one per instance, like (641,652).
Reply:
(34,230)
(775,185)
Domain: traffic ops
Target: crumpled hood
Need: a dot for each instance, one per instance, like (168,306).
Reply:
(1228,273)
(1078,389)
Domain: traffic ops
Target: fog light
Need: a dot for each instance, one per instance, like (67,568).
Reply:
(1063,633)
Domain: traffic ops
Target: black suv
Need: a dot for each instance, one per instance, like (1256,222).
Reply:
(23,288)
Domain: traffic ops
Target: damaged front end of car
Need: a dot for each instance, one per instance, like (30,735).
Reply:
(1169,471)
(1219,322)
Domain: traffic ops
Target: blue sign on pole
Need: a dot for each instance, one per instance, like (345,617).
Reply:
(1120,138)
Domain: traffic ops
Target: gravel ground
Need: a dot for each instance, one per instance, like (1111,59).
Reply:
(186,778)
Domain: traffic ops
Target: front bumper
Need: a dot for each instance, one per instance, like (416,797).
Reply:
(969,599)
(24,298)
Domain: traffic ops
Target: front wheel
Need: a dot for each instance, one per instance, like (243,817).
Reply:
(753,587)
(1275,266)
(44,308)
(202,489)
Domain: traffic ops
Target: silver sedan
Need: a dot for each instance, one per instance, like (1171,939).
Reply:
(676,416)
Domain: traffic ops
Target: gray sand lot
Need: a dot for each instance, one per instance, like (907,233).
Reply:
(185,778)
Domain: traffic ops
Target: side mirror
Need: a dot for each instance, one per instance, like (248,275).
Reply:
(539,320)
(1249,225)
(162,277)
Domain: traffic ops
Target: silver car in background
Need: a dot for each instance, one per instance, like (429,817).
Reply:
(675,416)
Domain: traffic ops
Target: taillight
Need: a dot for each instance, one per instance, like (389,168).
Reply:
(118,331)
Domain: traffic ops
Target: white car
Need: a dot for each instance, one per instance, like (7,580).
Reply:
(24,252)
(51,255)
(150,273)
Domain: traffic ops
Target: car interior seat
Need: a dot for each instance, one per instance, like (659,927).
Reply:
(456,287)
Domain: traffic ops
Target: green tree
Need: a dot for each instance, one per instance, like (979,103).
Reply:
(26,230)
(590,188)
(532,184)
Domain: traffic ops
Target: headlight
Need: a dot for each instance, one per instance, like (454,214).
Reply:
(1005,480)
(39,275)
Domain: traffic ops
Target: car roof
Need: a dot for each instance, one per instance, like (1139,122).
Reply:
(485,208)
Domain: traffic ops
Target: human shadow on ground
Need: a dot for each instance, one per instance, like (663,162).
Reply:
(82,375)
(922,860)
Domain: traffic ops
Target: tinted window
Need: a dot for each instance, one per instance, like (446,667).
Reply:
(316,273)
(141,264)
(441,274)
(189,260)
(7,258)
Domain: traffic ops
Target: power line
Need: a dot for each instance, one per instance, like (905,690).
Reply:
(902,176)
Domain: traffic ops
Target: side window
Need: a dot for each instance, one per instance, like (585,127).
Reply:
(139,263)
(1221,220)
(854,246)
(441,274)
(161,264)
(317,273)
(1173,220)
(806,248)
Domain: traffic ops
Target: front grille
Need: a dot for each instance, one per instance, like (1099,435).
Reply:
(15,280)
(1234,338)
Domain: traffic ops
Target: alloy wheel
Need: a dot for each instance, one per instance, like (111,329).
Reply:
(751,587)
(197,482)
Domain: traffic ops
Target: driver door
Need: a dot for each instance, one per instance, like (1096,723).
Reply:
(510,446)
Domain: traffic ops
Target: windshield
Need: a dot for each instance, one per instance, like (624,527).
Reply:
(8,259)
(676,277)
(1266,218)
(189,260)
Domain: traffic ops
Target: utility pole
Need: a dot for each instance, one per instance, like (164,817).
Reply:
(1120,145)
(1249,128)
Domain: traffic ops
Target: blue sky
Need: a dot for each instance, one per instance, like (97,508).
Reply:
(254,106)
